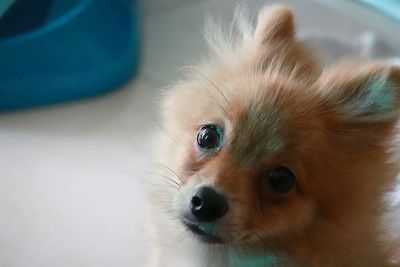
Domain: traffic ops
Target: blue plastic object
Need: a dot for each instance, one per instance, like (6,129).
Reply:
(66,49)
(390,8)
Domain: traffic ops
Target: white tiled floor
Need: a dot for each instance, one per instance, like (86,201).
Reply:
(69,189)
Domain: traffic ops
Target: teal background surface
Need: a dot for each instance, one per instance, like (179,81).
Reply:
(390,8)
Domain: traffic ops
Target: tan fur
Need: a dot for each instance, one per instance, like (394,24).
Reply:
(278,107)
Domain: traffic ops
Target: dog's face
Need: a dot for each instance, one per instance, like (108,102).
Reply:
(266,145)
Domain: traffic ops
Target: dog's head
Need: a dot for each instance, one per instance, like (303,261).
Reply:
(264,144)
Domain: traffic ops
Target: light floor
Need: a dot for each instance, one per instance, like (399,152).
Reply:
(70,191)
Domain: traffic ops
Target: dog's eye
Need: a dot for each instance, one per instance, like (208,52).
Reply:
(209,137)
(282,180)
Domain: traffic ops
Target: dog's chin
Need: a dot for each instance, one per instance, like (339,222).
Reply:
(202,234)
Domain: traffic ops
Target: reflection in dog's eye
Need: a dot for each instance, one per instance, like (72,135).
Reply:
(209,137)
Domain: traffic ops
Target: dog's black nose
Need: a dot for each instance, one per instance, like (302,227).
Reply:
(208,205)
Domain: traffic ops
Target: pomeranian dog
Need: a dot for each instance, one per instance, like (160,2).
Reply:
(267,159)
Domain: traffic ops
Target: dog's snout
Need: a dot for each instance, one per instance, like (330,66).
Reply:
(208,205)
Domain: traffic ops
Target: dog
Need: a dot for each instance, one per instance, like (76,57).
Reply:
(266,158)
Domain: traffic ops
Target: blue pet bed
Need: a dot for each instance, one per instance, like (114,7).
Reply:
(390,8)
(58,50)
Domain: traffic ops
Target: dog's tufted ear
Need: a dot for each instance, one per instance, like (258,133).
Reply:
(275,23)
(363,92)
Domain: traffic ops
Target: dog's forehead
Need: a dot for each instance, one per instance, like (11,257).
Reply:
(256,133)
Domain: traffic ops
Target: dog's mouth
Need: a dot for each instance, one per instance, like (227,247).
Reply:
(202,233)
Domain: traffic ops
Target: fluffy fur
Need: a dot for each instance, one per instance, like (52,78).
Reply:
(334,127)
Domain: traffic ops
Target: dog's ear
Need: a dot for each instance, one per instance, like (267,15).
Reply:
(275,23)
(363,92)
